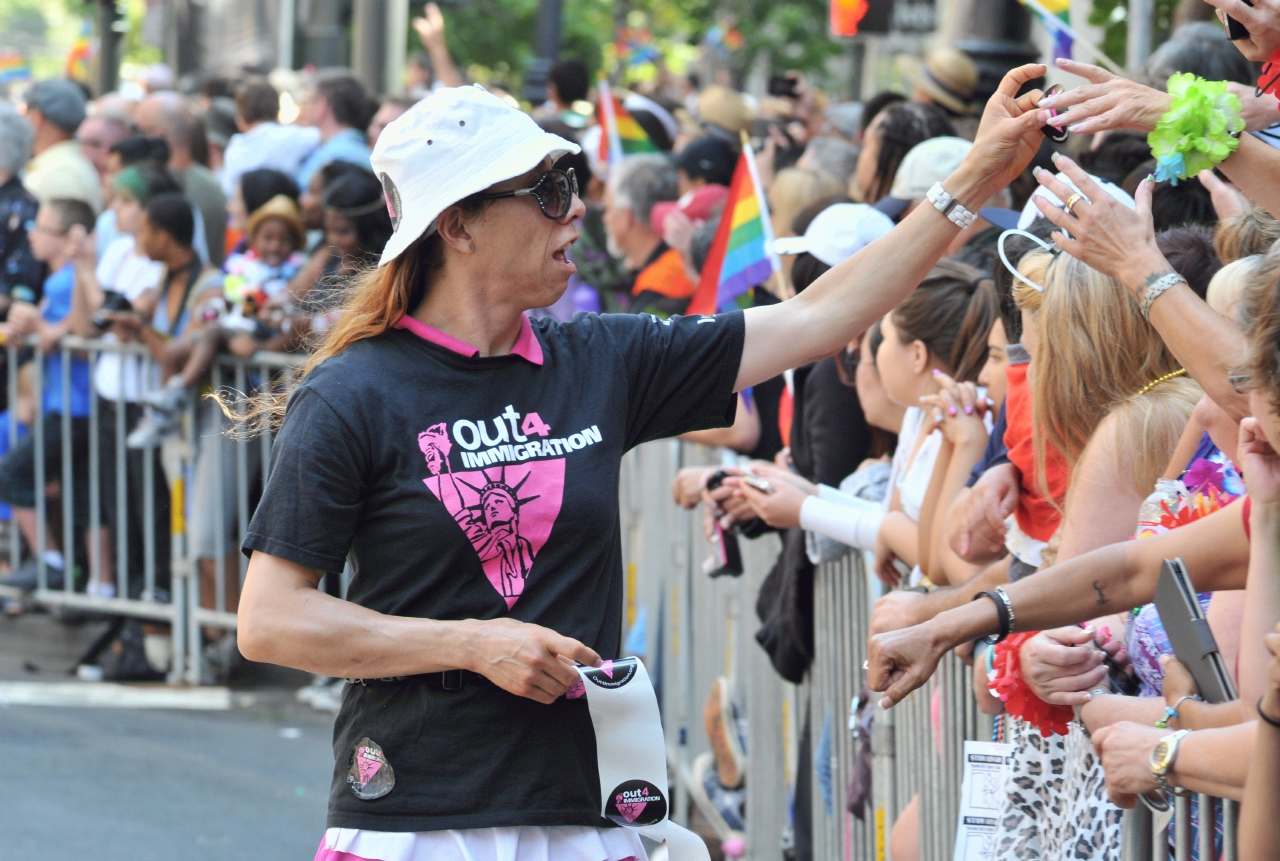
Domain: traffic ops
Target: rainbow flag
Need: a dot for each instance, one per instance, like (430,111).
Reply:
(77,64)
(741,254)
(13,67)
(622,134)
(1055,15)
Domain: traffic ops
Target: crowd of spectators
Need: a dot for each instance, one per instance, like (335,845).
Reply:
(1026,411)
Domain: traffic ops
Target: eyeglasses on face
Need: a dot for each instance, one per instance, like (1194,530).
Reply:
(554,191)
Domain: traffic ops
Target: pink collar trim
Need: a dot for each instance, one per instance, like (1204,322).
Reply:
(526,346)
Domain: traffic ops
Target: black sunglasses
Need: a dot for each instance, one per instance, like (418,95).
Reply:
(554,191)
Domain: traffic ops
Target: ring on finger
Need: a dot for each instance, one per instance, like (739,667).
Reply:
(1072,201)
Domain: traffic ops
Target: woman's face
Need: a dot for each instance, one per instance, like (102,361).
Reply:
(879,411)
(904,368)
(993,372)
(1030,333)
(128,213)
(341,236)
(238,214)
(511,243)
(864,175)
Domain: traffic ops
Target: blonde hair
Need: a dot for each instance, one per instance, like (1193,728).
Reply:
(1148,427)
(1227,285)
(1245,235)
(1095,351)
(794,189)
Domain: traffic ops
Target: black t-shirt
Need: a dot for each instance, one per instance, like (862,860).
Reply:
(475,488)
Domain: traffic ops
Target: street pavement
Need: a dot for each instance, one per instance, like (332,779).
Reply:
(110,784)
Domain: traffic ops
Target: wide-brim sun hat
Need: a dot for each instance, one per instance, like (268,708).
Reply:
(927,163)
(456,142)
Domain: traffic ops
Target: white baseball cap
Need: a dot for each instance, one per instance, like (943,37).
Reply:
(837,233)
(1031,212)
(454,143)
(931,161)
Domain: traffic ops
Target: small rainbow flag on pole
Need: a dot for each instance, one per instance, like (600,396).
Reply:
(622,134)
(77,64)
(741,254)
(13,67)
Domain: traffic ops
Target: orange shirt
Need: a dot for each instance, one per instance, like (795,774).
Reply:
(665,276)
(1035,514)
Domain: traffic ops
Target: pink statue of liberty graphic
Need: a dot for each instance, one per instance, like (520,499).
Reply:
(506,526)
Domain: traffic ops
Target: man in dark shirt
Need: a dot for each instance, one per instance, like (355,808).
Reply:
(18,268)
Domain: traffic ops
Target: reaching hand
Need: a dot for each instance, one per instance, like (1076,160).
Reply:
(1107,102)
(982,531)
(1259,461)
(898,662)
(1062,665)
(1261,19)
(430,27)
(1125,750)
(779,508)
(527,660)
(886,570)
(1009,134)
(688,485)
(1107,235)
(1228,202)
(958,411)
(897,610)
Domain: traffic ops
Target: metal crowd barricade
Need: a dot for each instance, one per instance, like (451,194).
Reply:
(1148,838)
(228,487)
(147,600)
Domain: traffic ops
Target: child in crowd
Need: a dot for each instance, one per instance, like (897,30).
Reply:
(253,312)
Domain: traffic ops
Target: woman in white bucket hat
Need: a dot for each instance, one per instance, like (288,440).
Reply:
(464,461)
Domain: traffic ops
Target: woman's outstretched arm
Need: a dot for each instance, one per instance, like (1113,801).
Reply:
(841,304)
(1108,580)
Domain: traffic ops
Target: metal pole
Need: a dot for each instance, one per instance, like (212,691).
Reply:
(548,46)
(286,27)
(1138,46)
(108,46)
(368,29)
(396,46)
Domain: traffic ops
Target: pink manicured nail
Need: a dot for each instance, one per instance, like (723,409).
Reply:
(968,411)
(952,410)
(1106,633)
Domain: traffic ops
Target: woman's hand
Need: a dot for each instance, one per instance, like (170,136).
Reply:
(1107,102)
(1178,681)
(779,508)
(771,473)
(1258,461)
(1062,665)
(1104,233)
(1258,112)
(526,660)
(898,662)
(1261,19)
(886,570)
(897,610)
(686,490)
(958,411)
(1228,202)
(1009,134)
(980,534)
(1125,750)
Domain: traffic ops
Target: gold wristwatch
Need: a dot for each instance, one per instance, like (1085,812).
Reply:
(1162,760)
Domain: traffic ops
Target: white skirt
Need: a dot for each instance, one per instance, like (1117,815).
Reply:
(519,843)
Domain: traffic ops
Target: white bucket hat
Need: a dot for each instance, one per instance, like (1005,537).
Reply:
(837,233)
(456,142)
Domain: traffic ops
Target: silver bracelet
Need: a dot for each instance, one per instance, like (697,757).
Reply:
(1155,290)
(949,206)
(1008,605)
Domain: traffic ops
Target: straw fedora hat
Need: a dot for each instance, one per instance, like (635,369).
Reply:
(283,208)
(947,76)
(725,110)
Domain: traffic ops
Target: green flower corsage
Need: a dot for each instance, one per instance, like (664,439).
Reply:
(1200,130)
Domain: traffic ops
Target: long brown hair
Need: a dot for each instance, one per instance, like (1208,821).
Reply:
(951,313)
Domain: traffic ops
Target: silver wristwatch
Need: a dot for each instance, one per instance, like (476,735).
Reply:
(1162,758)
